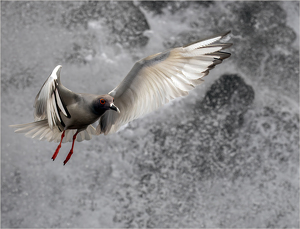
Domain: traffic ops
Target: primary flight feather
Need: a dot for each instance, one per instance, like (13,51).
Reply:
(62,115)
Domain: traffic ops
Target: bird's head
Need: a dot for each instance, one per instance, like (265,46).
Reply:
(103,103)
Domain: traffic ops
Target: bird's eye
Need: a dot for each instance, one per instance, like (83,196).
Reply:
(102,101)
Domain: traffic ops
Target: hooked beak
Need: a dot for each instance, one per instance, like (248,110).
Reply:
(113,107)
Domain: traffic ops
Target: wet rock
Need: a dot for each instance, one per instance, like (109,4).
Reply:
(256,18)
(28,13)
(158,7)
(251,21)
(124,21)
(104,23)
(182,39)
(11,188)
(80,53)
(22,79)
(228,90)
(284,76)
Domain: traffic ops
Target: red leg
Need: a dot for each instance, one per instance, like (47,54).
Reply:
(58,147)
(71,151)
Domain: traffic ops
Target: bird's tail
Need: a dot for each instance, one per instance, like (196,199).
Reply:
(41,131)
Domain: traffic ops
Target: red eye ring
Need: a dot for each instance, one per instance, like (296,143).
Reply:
(102,101)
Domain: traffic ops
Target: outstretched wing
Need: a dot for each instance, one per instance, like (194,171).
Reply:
(48,101)
(159,78)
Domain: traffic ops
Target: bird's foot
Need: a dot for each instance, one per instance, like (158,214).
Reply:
(58,147)
(68,157)
(56,152)
(71,151)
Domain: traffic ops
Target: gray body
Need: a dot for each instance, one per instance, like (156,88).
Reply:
(80,111)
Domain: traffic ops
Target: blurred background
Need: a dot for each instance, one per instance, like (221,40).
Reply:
(227,155)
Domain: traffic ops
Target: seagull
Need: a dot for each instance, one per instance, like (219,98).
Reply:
(62,115)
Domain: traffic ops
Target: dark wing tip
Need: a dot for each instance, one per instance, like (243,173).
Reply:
(226,33)
(220,55)
(227,45)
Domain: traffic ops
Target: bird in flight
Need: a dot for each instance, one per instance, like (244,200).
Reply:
(62,115)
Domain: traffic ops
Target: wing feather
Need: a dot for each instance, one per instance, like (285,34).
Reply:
(48,102)
(59,103)
(159,78)
(41,131)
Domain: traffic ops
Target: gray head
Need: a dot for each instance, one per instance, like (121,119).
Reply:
(103,103)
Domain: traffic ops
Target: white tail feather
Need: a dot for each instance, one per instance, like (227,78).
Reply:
(40,130)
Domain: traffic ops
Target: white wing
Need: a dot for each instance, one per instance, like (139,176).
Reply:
(48,102)
(159,78)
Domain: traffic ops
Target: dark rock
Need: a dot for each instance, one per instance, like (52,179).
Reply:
(258,28)
(281,73)
(22,79)
(78,52)
(226,101)
(182,39)
(27,13)
(254,17)
(125,22)
(228,90)
(157,7)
